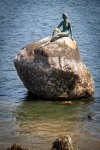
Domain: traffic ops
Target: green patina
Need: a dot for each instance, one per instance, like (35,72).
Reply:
(66,31)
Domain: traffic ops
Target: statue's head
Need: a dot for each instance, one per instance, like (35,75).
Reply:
(64,15)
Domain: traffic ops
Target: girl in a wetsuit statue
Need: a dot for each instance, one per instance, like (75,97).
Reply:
(66,32)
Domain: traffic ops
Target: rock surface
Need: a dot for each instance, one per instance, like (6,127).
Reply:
(54,69)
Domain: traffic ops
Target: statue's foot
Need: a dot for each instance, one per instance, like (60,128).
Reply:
(54,38)
(72,38)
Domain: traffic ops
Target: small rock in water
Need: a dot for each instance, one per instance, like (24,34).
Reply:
(63,143)
(17,147)
(90,117)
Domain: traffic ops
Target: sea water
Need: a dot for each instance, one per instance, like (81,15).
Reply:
(31,121)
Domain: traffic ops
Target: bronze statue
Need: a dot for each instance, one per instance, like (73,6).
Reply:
(66,32)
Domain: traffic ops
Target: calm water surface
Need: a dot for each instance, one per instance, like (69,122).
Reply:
(35,122)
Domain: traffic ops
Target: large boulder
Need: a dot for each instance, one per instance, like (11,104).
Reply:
(54,69)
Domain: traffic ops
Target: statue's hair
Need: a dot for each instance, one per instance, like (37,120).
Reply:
(65,14)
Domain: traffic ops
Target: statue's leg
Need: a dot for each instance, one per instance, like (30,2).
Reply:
(55,34)
(63,34)
(58,33)
(56,30)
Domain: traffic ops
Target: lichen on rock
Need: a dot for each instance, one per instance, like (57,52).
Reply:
(53,69)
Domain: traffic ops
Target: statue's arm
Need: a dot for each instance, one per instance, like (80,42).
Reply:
(59,25)
(70,28)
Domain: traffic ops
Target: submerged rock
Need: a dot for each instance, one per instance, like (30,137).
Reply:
(54,69)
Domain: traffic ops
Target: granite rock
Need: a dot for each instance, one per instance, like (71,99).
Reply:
(54,69)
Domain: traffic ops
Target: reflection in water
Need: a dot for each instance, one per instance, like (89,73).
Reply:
(45,120)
